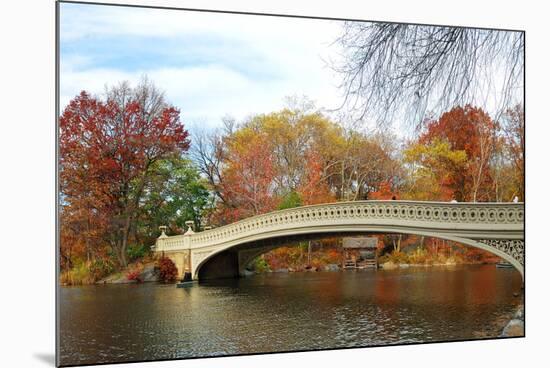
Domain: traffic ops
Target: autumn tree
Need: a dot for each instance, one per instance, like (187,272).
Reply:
(471,130)
(300,140)
(268,159)
(514,139)
(248,183)
(364,162)
(313,188)
(431,170)
(108,149)
(385,191)
(295,155)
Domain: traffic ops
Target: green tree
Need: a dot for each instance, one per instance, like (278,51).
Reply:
(176,194)
(290,200)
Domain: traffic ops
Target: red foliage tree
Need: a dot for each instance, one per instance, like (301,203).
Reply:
(472,130)
(107,149)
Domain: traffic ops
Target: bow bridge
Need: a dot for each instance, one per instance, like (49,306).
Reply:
(225,251)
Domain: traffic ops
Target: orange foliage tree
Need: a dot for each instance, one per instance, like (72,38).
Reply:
(248,178)
(313,189)
(385,191)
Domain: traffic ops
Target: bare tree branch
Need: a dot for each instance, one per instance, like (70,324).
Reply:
(400,71)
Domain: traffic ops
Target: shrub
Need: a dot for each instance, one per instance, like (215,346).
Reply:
(100,268)
(134,272)
(134,275)
(167,270)
(64,278)
(398,257)
(317,263)
(78,275)
(260,265)
(334,256)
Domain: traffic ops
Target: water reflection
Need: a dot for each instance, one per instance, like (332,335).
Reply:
(282,312)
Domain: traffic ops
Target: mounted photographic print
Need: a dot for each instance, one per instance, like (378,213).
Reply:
(234,183)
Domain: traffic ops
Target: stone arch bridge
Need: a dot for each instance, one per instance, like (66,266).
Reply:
(225,251)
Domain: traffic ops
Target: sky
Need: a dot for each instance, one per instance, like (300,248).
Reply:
(209,65)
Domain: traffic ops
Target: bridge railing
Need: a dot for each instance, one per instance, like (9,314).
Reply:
(414,213)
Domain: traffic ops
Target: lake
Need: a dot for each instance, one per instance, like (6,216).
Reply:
(283,312)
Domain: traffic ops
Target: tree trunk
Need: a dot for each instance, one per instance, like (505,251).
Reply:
(309,253)
(122,243)
(399,243)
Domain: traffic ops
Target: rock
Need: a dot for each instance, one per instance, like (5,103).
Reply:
(117,278)
(121,280)
(248,273)
(331,267)
(515,327)
(149,274)
(404,265)
(281,270)
(520,314)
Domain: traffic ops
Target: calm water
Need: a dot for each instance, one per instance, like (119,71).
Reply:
(281,312)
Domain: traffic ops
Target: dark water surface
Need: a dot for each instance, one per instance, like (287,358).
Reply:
(282,312)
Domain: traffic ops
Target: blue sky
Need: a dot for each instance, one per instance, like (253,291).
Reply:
(210,65)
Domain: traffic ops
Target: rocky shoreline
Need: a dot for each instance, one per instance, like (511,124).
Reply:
(149,273)
(335,267)
(516,326)
(450,263)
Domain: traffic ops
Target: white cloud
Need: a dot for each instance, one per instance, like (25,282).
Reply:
(289,50)
(205,93)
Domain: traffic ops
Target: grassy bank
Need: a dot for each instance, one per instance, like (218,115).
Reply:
(88,273)
(142,269)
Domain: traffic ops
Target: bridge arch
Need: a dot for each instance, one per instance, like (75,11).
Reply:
(243,253)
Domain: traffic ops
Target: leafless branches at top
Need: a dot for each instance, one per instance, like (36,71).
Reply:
(400,71)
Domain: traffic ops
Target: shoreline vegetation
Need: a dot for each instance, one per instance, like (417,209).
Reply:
(284,259)
(148,272)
